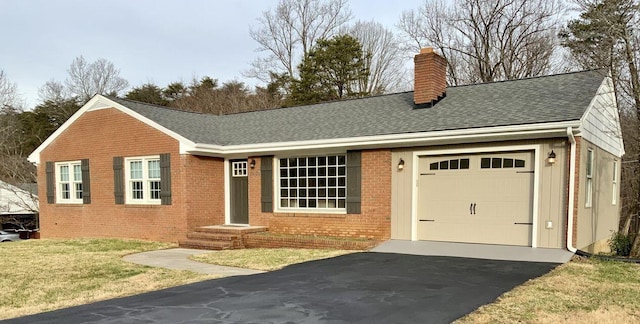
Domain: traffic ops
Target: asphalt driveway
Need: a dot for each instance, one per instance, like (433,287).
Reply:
(356,288)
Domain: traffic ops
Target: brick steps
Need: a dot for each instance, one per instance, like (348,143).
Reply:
(196,235)
(206,245)
(219,237)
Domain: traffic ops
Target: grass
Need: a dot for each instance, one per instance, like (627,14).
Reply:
(42,275)
(581,291)
(265,259)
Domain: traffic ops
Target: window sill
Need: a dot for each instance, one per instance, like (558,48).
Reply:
(142,205)
(59,204)
(308,214)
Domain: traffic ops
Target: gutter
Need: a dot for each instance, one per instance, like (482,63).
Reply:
(572,182)
(391,140)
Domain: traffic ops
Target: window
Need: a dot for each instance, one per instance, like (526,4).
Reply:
(143,180)
(501,163)
(239,169)
(312,183)
(69,182)
(614,183)
(589,184)
(456,164)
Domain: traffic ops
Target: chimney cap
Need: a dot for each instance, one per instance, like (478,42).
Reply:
(426,50)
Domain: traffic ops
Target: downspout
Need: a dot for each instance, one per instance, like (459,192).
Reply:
(572,182)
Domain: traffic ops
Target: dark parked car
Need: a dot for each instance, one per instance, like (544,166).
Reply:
(9,237)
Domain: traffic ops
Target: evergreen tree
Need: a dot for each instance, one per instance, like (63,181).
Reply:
(332,70)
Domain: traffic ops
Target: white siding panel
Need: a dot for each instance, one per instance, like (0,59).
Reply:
(601,123)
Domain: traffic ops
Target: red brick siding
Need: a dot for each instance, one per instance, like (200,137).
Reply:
(204,188)
(576,191)
(374,222)
(99,136)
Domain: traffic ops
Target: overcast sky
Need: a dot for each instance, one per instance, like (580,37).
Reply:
(157,41)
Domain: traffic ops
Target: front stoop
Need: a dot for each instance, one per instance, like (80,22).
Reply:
(219,237)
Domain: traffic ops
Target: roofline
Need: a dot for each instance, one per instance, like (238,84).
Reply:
(101,102)
(555,129)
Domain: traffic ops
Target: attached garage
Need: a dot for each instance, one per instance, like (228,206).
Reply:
(476,198)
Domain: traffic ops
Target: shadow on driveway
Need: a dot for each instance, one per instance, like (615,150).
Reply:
(355,288)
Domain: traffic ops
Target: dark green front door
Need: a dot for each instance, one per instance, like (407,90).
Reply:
(239,192)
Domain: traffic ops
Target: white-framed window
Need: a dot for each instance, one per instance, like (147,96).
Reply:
(614,183)
(142,178)
(239,168)
(312,183)
(589,184)
(69,182)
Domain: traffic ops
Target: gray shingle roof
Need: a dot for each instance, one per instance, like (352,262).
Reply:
(556,98)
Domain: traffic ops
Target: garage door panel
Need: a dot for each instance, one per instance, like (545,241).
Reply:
(477,205)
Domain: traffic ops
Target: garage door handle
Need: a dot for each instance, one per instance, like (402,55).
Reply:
(523,223)
(427,220)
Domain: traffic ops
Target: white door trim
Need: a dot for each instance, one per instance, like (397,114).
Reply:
(536,180)
(227,192)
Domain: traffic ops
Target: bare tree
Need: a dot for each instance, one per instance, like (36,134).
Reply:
(9,96)
(54,91)
(290,30)
(486,41)
(383,56)
(88,79)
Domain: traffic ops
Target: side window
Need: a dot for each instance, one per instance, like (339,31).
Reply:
(143,180)
(69,189)
(589,176)
(614,183)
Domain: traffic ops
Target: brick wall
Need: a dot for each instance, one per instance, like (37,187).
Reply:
(99,136)
(373,223)
(204,189)
(576,192)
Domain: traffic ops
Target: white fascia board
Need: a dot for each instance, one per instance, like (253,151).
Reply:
(395,140)
(100,102)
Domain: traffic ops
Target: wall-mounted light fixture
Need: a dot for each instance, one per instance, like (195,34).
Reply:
(253,163)
(401,165)
(552,157)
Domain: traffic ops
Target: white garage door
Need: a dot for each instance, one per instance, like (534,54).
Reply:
(481,198)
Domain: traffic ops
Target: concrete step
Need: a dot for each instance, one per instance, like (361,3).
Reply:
(206,245)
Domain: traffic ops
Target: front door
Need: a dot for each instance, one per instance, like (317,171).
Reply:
(239,193)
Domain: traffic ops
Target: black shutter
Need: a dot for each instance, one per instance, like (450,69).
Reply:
(118,180)
(354,179)
(51,182)
(266,175)
(165,179)
(86,182)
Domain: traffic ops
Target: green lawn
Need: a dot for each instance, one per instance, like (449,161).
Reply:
(581,291)
(41,275)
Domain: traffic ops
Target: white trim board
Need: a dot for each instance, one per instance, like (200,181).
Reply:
(536,180)
(99,102)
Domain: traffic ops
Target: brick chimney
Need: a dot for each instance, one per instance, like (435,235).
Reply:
(430,78)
